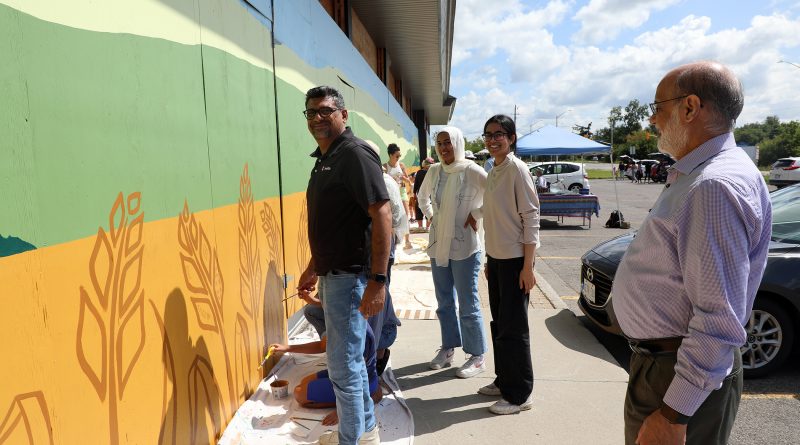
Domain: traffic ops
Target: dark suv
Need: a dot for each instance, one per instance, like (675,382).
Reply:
(776,311)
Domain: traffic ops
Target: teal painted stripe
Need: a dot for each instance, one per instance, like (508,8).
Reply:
(13,245)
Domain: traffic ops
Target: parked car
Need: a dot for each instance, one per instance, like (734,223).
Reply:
(776,310)
(572,175)
(785,171)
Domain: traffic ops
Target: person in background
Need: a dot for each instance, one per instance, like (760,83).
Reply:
(397,170)
(386,322)
(705,242)
(349,232)
(451,189)
(489,164)
(418,178)
(541,182)
(511,216)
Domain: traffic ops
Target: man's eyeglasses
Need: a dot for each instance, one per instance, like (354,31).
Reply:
(494,136)
(323,112)
(654,106)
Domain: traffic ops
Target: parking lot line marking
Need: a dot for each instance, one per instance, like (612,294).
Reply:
(559,257)
(569,297)
(771,396)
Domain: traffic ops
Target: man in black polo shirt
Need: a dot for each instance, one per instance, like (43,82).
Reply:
(349,229)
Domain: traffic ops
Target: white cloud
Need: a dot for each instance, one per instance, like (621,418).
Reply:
(481,30)
(603,20)
(544,79)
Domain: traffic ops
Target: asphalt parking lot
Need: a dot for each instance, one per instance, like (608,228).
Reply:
(770,406)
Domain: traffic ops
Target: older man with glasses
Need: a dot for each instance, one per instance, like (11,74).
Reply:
(349,230)
(686,285)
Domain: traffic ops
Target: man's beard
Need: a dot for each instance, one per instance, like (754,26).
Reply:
(673,138)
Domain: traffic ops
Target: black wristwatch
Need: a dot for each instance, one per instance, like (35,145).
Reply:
(672,416)
(378,277)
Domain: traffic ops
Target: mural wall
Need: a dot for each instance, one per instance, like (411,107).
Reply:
(154,162)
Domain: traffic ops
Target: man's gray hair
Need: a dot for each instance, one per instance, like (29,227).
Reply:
(323,92)
(718,89)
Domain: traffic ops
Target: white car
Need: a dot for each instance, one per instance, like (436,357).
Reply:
(570,174)
(785,171)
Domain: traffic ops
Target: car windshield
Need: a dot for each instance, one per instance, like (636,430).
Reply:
(786,215)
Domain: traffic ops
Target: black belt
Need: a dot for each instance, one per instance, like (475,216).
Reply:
(656,346)
(347,271)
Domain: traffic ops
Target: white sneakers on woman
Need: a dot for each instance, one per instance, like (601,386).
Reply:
(443,358)
(474,366)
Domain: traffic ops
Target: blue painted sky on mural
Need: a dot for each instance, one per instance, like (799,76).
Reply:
(548,57)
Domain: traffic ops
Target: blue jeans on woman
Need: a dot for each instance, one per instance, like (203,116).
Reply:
(459,278)
(347,330)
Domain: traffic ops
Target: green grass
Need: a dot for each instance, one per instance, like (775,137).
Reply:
(598,174)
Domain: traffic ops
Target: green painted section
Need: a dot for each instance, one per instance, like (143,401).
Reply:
(87,115)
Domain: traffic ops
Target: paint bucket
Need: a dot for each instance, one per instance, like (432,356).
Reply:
(280,389)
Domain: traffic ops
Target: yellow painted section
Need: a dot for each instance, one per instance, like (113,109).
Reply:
(145,333)
(233,30)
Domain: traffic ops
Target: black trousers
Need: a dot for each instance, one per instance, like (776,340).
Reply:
(649,379)
(511,338)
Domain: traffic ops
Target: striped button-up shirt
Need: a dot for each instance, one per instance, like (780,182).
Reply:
(694,267)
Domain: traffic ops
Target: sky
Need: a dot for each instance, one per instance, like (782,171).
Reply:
(580,58)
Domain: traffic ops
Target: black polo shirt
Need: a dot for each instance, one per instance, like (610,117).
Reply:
(344,182)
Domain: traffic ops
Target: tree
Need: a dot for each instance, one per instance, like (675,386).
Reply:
(635,113)
(474,145)
(786,143)
(755,133)
(644,141)
(626,124)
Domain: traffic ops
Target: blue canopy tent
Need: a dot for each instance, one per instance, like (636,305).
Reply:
(550,140)
(555,141)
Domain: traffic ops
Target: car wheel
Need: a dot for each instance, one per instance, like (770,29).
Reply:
(770,334)
(576,188)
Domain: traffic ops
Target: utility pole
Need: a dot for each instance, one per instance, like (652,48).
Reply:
(515,114)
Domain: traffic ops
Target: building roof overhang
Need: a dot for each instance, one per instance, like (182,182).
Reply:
(418,37)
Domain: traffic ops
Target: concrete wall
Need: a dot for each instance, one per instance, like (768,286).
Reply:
(154,162)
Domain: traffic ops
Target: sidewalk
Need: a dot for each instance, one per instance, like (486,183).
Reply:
(578,392)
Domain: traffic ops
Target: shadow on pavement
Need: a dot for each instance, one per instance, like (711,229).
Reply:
(418,375)
(438,414)
(562,328)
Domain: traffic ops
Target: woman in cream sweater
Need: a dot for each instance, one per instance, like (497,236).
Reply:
(511,217)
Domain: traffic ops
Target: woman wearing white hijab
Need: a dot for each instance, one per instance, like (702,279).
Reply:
(451,190)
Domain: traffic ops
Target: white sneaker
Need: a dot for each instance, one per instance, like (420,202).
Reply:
(369,438)
(490,390)
(474,366)
(443,358)
(503,407)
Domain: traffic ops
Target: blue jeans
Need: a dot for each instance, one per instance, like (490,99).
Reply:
(459,277)
(384,324)
(316,317)
(347,330)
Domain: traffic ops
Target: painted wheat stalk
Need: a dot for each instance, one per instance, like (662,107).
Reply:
(276,305)
(249,289)
(28,411)
(111,334)
(203,277)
